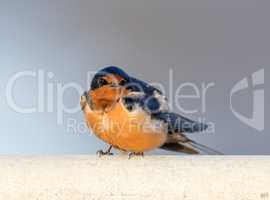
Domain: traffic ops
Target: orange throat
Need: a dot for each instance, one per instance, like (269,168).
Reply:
(105,97)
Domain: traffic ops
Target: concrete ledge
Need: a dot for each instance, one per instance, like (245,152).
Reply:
(151,177)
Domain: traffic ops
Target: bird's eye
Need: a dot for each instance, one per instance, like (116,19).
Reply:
(122,82)
(102,82)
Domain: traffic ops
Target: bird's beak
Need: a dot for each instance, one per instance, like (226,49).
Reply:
(114,85)
(83,100)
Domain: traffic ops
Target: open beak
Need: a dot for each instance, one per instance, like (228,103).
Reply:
(114,85)
(84,100)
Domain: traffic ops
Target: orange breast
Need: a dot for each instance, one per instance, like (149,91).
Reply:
(130,131)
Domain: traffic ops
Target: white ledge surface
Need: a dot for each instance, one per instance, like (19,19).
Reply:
(151,177)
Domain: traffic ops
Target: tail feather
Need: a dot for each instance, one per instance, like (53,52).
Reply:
(204,148)
(190,147)
(177,147)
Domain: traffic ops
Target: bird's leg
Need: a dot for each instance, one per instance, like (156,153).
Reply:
(132,154)
(107,152)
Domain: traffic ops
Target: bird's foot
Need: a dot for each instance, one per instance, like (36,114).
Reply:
(103,153)
(132,154)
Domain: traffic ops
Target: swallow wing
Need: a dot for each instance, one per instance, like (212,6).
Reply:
(179,124)
(137,85)
(155,103)
(178,147)
(149,103)
(152,100)
(153,106)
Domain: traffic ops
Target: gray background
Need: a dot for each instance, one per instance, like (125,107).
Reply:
(202,41)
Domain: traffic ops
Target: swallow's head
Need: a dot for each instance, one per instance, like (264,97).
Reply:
(109,77)
(107,87)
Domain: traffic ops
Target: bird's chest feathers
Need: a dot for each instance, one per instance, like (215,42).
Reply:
(134,131)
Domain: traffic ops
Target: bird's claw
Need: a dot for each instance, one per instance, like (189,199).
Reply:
(132,154)
(102,153)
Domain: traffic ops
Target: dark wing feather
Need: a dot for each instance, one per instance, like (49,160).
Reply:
(137,85)
(151,104)
(176,123)
(177,147)
(179,124)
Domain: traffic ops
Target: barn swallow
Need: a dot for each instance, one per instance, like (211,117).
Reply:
(133,116)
